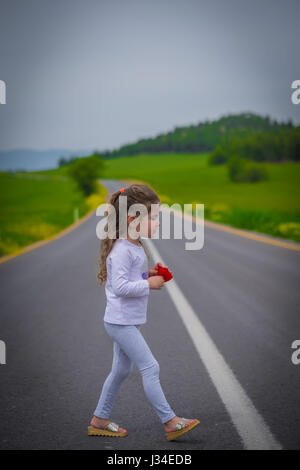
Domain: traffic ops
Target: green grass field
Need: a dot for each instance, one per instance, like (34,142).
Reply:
(271,207)
(33,209)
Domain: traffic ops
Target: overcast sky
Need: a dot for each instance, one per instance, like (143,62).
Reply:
(102,73)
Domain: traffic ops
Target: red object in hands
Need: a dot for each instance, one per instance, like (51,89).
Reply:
(165,273)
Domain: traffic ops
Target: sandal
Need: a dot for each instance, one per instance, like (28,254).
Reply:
(182,428)
(111,429)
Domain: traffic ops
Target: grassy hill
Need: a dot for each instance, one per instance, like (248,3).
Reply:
(36,205)
(271,206)
(201,137)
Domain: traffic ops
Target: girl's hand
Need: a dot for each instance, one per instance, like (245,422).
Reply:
(154,271)
(156,282)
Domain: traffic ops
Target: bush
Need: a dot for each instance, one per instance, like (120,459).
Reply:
(218,156)
(289,229)
(243,170)
(85,171)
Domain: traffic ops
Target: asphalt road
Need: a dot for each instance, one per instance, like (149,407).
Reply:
(244,292)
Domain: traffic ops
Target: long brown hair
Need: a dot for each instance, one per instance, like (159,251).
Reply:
(136,193)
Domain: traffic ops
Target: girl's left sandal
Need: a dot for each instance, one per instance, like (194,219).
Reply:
(181,428)
(111,429)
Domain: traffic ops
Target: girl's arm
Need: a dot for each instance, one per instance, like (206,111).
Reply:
(119,264)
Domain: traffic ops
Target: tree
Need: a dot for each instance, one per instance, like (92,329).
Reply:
(243,170)
(218,156)
(85,172)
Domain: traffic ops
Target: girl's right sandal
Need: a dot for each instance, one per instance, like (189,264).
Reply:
(181,428)
(111,429)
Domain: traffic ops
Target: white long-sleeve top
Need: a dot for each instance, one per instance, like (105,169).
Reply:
(126,288)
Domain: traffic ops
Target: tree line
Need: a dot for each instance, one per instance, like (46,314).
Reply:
(202,137)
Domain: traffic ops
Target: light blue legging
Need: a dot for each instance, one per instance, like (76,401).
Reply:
(131,348)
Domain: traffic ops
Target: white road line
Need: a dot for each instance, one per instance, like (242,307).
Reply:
(250,425)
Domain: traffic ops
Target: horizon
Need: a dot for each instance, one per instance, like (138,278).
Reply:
(284,121)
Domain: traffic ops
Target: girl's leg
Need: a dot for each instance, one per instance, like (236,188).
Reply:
(121,367)
(132,342)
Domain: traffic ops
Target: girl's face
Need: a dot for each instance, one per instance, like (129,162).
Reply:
(148,225)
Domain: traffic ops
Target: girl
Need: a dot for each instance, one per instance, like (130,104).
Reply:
(123,266)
